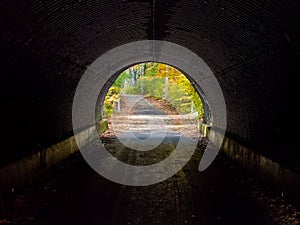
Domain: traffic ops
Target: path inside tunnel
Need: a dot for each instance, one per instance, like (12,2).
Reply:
(73,193)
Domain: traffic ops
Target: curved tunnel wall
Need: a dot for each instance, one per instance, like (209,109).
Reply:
(251,46)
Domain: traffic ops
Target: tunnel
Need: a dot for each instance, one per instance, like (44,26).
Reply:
(251,48)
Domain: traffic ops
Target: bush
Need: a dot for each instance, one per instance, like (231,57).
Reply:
(132,90)
(111,97)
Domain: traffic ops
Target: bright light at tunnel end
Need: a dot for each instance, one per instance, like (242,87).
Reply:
(101,71)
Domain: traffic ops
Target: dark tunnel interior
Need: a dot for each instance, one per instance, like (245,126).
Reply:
(252,47)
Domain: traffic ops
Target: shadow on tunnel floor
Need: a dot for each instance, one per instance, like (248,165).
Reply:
(72,193)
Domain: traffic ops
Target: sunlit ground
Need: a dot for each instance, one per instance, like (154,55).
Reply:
(151,97)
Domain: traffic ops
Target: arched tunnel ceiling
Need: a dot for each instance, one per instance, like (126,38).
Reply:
(251,46)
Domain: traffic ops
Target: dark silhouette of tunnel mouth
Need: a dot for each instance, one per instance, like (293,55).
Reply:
(167,146)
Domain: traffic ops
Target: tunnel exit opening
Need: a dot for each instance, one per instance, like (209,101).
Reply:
(135,130)
(149,89)
(148,107)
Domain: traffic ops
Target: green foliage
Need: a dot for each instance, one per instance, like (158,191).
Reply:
(151,69)
(111,97)
(151,81)
(179,98)
(152,86)
(119,82)
(132,90)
